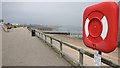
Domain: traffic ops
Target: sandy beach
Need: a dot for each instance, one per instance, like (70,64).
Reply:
(113,56)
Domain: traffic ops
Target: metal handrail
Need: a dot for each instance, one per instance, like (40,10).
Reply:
(81,51)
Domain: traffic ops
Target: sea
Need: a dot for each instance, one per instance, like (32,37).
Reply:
(75,31)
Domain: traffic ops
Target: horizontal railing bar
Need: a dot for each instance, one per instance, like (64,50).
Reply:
(63,42)
(106,61)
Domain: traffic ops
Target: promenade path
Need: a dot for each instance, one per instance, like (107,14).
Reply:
(20,49)
(0,44)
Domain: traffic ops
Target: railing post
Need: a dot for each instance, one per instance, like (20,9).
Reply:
(61,49)
(39,34)
(45,38)
(60,46)
(80,58)
(50,40)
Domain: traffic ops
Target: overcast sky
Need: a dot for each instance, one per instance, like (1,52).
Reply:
(56,0)
(0,10)
(46,13)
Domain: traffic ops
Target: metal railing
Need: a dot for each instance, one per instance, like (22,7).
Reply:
(82,52)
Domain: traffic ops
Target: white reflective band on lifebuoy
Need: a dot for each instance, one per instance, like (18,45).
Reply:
(86,27)
(105,27)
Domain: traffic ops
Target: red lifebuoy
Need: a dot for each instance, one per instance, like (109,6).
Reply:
(100,26)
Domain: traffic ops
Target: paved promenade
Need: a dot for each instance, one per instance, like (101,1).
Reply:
(0,44)
(20,49)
